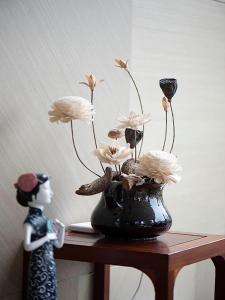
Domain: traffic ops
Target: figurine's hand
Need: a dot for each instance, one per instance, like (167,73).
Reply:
(59,224)
(51,236)
(60,229)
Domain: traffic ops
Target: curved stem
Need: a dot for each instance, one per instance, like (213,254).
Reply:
(71,123)
(93,129)
(143,129)
(93,126)
(135,147)
(142,110)
(164,143)
(139,285)
(135,85)
(173,127)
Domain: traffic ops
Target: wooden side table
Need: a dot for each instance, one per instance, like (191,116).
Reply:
(160,260)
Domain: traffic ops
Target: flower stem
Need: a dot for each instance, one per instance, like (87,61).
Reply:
(135,147)
(93,129)
(142,110)
(71,123)
(164,143)
(171,108)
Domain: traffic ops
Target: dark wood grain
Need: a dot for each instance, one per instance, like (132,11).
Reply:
(160,260)
(174,249)
(101,282)
(219,262)
(163,282)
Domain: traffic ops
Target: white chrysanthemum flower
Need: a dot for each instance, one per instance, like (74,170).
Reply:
(160,165)
(71,108)
(112,154)
(133,120)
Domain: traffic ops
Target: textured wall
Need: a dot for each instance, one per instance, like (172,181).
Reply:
(46,47)
(185,40)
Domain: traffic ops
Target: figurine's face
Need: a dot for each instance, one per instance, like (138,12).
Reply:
(45,194)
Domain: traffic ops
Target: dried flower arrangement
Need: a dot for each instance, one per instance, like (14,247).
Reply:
(127,166)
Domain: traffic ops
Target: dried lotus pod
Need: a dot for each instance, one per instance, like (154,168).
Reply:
(169,87)
(128,166)
(133,137)
(98,185)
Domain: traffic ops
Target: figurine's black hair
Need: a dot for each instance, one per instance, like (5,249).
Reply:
(24,197)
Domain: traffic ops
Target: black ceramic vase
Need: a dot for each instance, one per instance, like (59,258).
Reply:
(135,214)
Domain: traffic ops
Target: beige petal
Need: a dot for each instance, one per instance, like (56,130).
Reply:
(165,104)
(121,63)
(85,83)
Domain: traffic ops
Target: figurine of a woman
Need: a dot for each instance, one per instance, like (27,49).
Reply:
(40,235)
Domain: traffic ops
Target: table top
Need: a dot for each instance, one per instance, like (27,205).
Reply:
(172,248)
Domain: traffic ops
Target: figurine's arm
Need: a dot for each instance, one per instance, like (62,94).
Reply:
(61,234)
(29,245)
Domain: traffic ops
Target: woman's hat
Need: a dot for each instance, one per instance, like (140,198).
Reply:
(26,182)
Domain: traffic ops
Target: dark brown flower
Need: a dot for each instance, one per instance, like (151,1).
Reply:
(116,133)
(169,87)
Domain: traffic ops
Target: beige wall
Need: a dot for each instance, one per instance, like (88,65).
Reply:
(185,40)
(46,47)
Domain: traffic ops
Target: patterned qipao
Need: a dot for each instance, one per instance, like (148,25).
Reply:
(42,271)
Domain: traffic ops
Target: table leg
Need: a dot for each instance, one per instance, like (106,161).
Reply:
(101,281)
(219,263)
(163,282)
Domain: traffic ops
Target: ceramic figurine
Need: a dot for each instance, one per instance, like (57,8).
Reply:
(40,235)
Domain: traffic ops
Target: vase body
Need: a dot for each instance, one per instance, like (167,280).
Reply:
(135,214)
